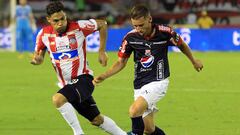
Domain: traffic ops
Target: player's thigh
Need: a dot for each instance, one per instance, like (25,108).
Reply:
(80,90)
(149,123)
(138,107)
(84,86)
(152,93)
(88,108)
(70,93)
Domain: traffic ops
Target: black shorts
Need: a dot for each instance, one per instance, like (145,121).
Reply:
(80,89)
(79,94)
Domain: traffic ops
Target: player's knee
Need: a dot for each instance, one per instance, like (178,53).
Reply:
(134,111)
(148,130)
(97,121)
(138,107)
(58,100)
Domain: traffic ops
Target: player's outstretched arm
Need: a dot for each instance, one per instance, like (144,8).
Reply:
(102,27)
(38,57)
(115,68)
(177,41)
(197,64)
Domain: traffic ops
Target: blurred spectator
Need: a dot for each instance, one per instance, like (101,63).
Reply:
(4,10)
(93,5)
(199,4)
(184,5)
(25,26)
(110,18)
(80,5)
(224,20)
(6,24)
(191,18)
(205,21)
(169,4)
(164,11)
(191,21)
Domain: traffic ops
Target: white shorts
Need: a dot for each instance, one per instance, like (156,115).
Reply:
(152,93)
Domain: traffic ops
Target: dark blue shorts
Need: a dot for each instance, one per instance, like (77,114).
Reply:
(79,94)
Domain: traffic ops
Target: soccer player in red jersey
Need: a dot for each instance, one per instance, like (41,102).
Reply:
(149,43)
(65,42)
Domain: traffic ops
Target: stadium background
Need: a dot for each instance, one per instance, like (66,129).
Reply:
(196,103)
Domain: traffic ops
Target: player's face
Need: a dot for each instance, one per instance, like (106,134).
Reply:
(58,21)
(22,2)
(143,25)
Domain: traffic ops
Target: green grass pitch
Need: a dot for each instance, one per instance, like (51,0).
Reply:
(205,103)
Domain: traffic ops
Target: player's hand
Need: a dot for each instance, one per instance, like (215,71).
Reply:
(97,80)
(103,58)
(198,65)
(37,58)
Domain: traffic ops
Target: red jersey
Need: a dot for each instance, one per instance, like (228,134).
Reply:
(67,50)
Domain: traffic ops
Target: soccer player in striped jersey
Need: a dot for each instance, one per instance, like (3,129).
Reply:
(65,42)
(149,42)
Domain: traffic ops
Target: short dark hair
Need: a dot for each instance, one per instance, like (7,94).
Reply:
(139,11)
(54,7)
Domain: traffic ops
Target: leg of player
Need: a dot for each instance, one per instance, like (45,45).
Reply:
(136,111)
(68,113)
(150,128)
(108,125)
(89,110)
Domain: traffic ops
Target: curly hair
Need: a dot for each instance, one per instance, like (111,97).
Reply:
(54,7)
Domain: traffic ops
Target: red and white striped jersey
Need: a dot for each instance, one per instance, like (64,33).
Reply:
(67,50)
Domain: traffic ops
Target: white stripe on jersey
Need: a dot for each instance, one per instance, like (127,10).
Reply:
(67,66)
(81,53)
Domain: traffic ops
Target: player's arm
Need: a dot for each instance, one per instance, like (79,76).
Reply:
(115,68)
(177,41)
(40,50)
(38,57)
(102,28)
(197,64)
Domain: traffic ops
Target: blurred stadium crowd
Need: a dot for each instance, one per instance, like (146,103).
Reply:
(225,13)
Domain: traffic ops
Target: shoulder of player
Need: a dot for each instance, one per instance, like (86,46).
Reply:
(47,29)
(72,24)
(87,24)
(164,28)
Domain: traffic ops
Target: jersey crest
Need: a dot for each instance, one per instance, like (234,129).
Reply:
(147,60)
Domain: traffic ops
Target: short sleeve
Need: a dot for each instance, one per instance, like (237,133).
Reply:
(177,38)
(88,26)
(171,34)
(125,50)
(39,43)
